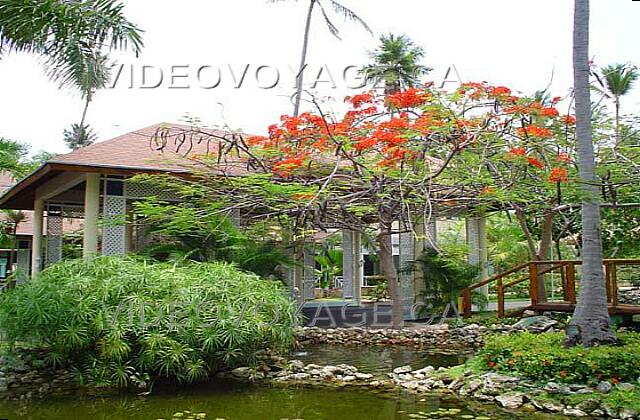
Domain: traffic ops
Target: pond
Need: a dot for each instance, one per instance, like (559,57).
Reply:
(235,401)
(239,401)
(376,359)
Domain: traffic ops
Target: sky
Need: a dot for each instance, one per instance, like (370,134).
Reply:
(207,46)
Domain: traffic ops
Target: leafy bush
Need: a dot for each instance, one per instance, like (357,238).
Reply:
(444,278)
(196,229)
(543,357)
(120,321)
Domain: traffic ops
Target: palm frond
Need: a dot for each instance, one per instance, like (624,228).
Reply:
(332,27)
(349,14)
(71,35)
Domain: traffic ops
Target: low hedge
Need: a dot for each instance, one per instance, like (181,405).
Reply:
(543,357)
(126,321)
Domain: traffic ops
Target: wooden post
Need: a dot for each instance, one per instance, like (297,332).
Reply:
(570,291)
(533,282)
(613,275)
(466,295)
(500,291)
(607,280)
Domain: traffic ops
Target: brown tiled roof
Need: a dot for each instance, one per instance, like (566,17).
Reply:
(25,228)
(161,147)
(6,181)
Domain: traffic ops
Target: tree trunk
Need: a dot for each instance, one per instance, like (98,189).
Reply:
(544,252)
(540,252)
(303,60)
(590,324)
(390,273)
(87,101)
(617,121)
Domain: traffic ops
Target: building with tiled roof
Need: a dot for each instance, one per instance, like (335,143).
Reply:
(91,183)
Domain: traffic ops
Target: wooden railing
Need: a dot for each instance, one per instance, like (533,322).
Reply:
(531,271)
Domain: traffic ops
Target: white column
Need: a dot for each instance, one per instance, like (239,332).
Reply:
(347,264)
(36,252)
(358,269)
(309,272)
(426,239)
(406,247)
(91,214)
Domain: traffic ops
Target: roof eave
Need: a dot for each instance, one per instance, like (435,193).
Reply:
(8,199)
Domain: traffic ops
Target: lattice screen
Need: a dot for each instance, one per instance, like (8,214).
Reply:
(309,273)
(347,264)
(114,230)
(23,262)
(54,238)
(73,212)
(138,190)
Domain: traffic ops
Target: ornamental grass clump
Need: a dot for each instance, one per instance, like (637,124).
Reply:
(126,321)
(543,357)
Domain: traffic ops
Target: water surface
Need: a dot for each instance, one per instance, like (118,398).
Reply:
(235,401)
(376,359)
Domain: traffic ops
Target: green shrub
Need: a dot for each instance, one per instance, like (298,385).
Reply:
(121,321)
(543,357)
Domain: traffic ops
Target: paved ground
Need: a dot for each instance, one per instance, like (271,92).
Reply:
(341,313)
(509,304)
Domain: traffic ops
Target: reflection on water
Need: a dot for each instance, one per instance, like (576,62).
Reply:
(229,400)
(373,359)
(238,401)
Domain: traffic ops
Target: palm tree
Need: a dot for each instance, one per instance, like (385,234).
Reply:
(395,63)
(338,8)
(79,136)
(72,36)
(590,324)
(14,218)
(618,81)
(69,34)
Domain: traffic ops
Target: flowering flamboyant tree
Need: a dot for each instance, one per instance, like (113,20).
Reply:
(389,159)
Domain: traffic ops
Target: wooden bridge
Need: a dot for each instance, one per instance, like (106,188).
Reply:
(533,270)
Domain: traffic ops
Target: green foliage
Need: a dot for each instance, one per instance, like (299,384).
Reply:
(330,261)
(12,158)
(196,230)
(396,63)
(115,320)
(543,357)
(72,245)
(70,35)
(488,319)
(380,291)
(507,243)
(444,277)
(621,232)
(79,136)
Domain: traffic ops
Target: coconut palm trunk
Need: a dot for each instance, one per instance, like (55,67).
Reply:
(303,60)
(590,324)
